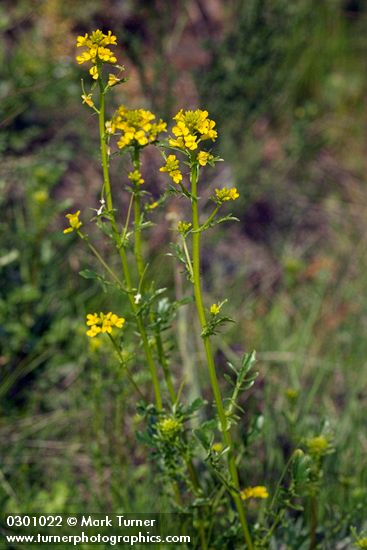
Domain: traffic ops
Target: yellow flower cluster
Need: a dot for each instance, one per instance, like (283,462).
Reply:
(361,543)
(169,427)
(96,52)
(136,178)
(191,128)
(226,194)
(204,157)
(74,222)
(138,127)
(317,446)
(104,322)
(254,492)
(183,227)
(172,167)
(214,309)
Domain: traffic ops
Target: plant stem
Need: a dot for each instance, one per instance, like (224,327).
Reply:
(121,249)
(123,364)
(141,268)
(227,438)
(137,218)
(313,522)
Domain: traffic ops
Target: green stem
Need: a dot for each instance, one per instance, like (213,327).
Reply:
(101,260)
(122,252)
(137,218)
(227,438)
(123,364)
(141,269)
(163,362)
(313,522)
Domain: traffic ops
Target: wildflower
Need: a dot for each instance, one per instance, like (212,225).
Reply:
(217,447)
(204,157)
(183,227)
(152,205)
(137,298)
(88,100)
(172,167)
(96,52)
(92,319)
(113,80)
(225,194)
(214,309)
(137,127)
(254,492)
(93,71)
(169,427)
(93,331)
(318,446)
(136,177)
(104,322)
(74,222)
(192,127)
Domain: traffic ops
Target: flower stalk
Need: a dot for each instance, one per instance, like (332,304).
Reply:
(227,438)
(121,249)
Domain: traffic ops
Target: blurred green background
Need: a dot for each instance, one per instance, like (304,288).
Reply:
(286,83)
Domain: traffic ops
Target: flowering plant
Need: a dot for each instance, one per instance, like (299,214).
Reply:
(202,461)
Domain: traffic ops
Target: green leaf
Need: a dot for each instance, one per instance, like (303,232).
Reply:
(89,274)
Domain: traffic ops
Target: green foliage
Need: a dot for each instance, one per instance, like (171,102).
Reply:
(69,412)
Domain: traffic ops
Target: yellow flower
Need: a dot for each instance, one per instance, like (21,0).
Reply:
(254,492)
(191,128)
(190,142)
(113,80)
(172,167)
(361,543)
(92,319)
(317,446)
(136,127)
(204,157)
(93,331)
(96,52)
(88,100)
(183,227)
(74,222)
(226,194)
(102,323)
(136,177)
(169,427)
(152,205)
(118,322)
(214,309)
(217,447)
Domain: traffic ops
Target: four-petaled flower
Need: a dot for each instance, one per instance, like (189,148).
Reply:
(74,222)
